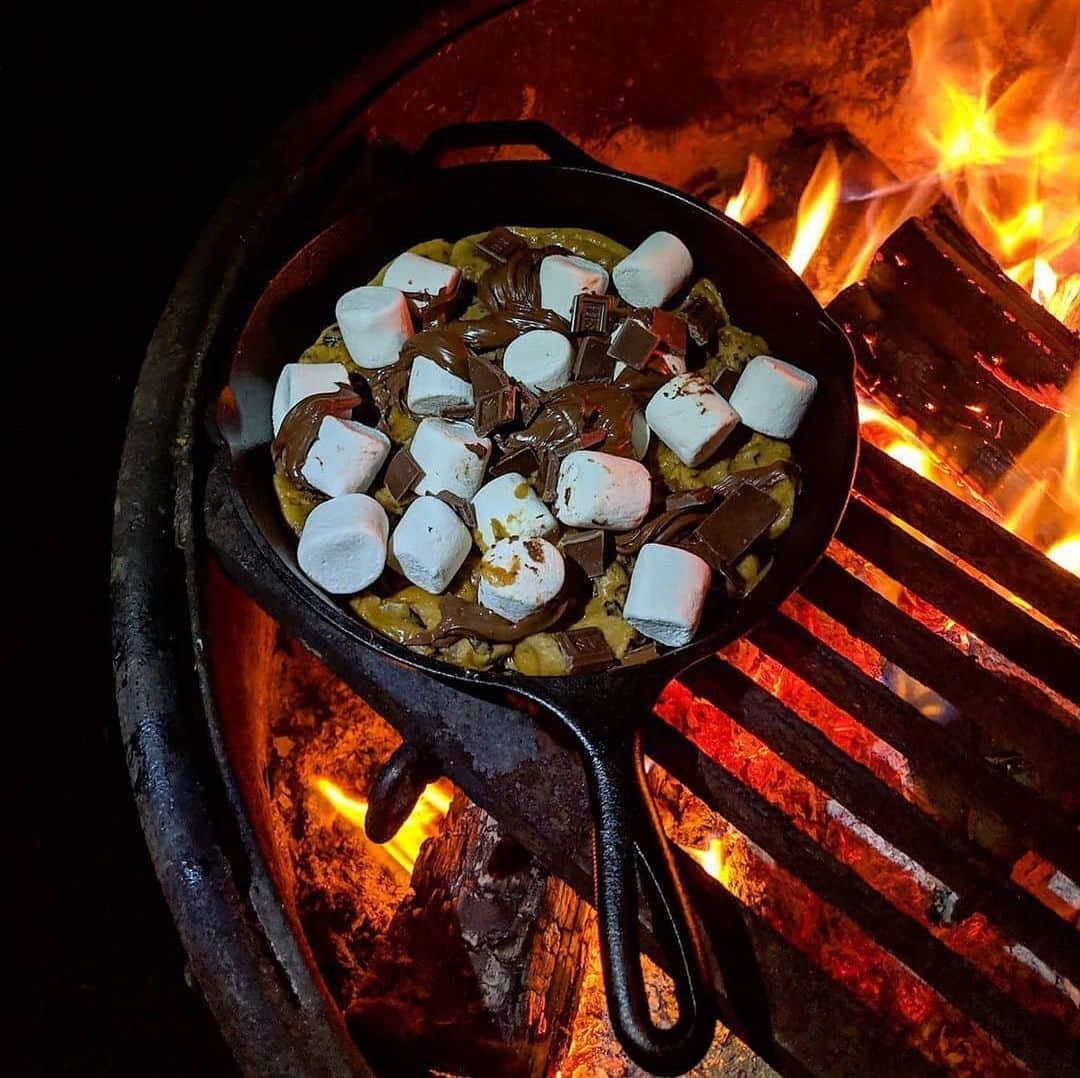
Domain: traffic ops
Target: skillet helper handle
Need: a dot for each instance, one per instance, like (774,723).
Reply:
(632,855)
(494,133)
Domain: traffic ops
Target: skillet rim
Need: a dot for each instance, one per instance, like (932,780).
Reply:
(544,689)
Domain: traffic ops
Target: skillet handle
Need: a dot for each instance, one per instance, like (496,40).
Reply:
(505,133)
(631,855)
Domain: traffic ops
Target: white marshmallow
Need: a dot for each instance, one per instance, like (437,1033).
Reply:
(667,594)
(430,544)
(345,456)
(562,277)
(343,544)
(518,576)
(690,417)
(772,396)
(654,271)
(433,389)
(299,381)
(452,455)
(374,323)
(601,490)
(508,506)
(414,273)
(539,359)
(640,435)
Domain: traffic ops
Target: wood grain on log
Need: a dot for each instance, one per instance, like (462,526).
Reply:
(480,967)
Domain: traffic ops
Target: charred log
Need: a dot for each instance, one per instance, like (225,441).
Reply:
(479,969)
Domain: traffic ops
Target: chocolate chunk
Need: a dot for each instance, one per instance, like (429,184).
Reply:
(729,530)
(495,410)
(643,654)
(458,411)
(530,405)
(633,344)
(671,330)
(584,649)
(591,314)
(703,311)
(402,475)
(590,439)
(523,461)
(486,377)
(587,549)
(499,244)
(462,506)
(549,474)
(477,450)
(725,381)
(593,364)
(690,499)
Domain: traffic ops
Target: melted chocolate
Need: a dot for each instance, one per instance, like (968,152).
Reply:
(581,408)
(461,618)
(515,282)
(301,425)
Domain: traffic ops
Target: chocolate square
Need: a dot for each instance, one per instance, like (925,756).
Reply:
(549,474)
(591,314)
(593,364)
(402,475)
(523,461)
(633,344)
(725,382)
(671,330)
(584,649)
(462,506)
(643,653)
(495,410)
(486,377)
(587,550)
(590,439)
(689,499)
(499,244)
(730,529)
(530,405)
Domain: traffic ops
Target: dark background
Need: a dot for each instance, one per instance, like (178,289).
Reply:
(119,143)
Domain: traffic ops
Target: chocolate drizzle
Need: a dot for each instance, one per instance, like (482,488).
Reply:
(461,619)
(301,426)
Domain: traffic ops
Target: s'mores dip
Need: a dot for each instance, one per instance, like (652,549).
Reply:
(537,450)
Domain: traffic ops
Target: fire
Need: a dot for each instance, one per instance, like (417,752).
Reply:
(710,859)
(753,195)
(817,204)
(994,88)
(422,824)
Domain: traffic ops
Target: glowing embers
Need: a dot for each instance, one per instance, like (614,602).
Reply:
(422,824)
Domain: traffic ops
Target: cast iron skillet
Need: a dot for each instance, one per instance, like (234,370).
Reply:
(601,711)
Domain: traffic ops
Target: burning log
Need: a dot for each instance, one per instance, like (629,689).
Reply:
(480,966)
(944,339)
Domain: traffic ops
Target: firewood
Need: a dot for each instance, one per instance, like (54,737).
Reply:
(945,340)
(480,967)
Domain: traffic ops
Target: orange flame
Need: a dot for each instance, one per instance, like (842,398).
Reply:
(817,204)
(710,859)
(422,824)
(994,87)
(753,195)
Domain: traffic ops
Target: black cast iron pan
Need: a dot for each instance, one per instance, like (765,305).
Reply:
(601,711)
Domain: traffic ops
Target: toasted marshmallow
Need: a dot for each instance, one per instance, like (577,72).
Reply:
(562,277)
(345,457)
(518,576)
(433,389)
(343,544)
(374,323)
(601,490)
(539,359)
(414,273)
(772,396)
(509,507)
(299,381)
(667,594)
(452,455)
(654,271)
(690,417)
(430,544)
